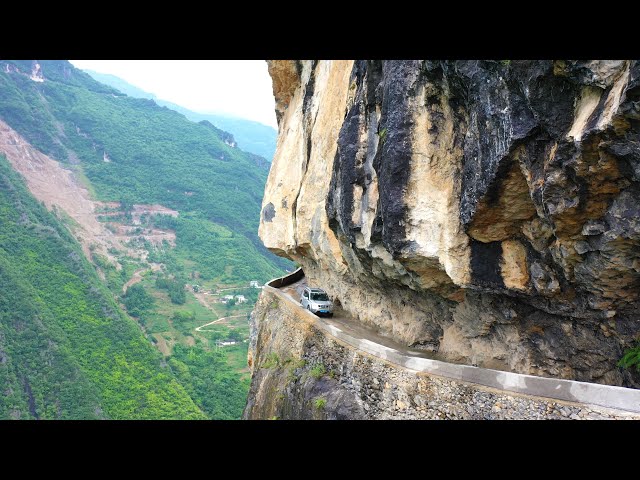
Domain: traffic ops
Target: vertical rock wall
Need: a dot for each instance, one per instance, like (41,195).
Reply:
(484,210)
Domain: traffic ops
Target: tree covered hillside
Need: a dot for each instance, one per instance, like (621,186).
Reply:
(169,221)
(252,136)
(66,349)
(134,151)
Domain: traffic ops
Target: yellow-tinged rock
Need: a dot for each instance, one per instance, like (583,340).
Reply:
(515,273)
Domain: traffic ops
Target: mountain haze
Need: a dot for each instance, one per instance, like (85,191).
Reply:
(134,150)
(254,137)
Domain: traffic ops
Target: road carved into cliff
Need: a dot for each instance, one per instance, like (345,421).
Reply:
(346,330)
(343,322)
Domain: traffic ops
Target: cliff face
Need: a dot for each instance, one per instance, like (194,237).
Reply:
(484,210)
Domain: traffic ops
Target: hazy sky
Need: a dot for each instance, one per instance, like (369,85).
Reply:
(240,88)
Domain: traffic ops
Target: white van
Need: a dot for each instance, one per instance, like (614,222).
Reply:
(316,301)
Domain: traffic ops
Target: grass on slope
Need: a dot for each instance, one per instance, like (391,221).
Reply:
(66,350)
(216,378)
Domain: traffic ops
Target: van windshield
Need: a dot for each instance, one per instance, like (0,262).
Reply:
(319,296)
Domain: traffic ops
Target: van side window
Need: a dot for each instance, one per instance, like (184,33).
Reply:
(305,294)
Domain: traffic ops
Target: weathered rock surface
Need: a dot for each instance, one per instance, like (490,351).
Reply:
(488,211)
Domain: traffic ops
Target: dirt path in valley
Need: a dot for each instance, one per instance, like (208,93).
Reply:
(137,275)
(162,344)
(200,296)
(198,329)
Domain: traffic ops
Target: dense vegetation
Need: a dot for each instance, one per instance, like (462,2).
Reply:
(216,378)
(132,151)
(135,151)
(129,151)
(210,381)
(631,358)
(137,300)
(251,136)
(218,251)
(174,288)
(66,349)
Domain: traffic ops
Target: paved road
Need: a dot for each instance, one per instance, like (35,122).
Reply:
(367,339)
(342,321)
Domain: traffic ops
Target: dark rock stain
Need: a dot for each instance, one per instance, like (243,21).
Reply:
(268,212)
(485,263)
(31,400)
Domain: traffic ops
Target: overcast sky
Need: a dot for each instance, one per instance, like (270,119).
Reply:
(241,88)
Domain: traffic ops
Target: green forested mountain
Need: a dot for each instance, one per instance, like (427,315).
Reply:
(66,349)
(251,136)
(133,150)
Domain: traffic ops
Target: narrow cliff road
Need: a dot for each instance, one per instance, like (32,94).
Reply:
(344,328)
(343,322)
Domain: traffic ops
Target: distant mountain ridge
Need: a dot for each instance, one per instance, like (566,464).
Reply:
(251,136)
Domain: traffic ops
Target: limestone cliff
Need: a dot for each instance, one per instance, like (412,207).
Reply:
(484,210)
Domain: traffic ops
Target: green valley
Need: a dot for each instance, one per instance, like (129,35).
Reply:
(66,349)
(167,211)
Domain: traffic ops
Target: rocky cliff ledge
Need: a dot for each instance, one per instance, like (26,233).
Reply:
(488,211)
(304,369)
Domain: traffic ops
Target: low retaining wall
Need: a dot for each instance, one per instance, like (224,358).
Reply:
(387,383)
(292,277)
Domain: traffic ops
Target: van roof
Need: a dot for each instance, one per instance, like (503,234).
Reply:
(315,290)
